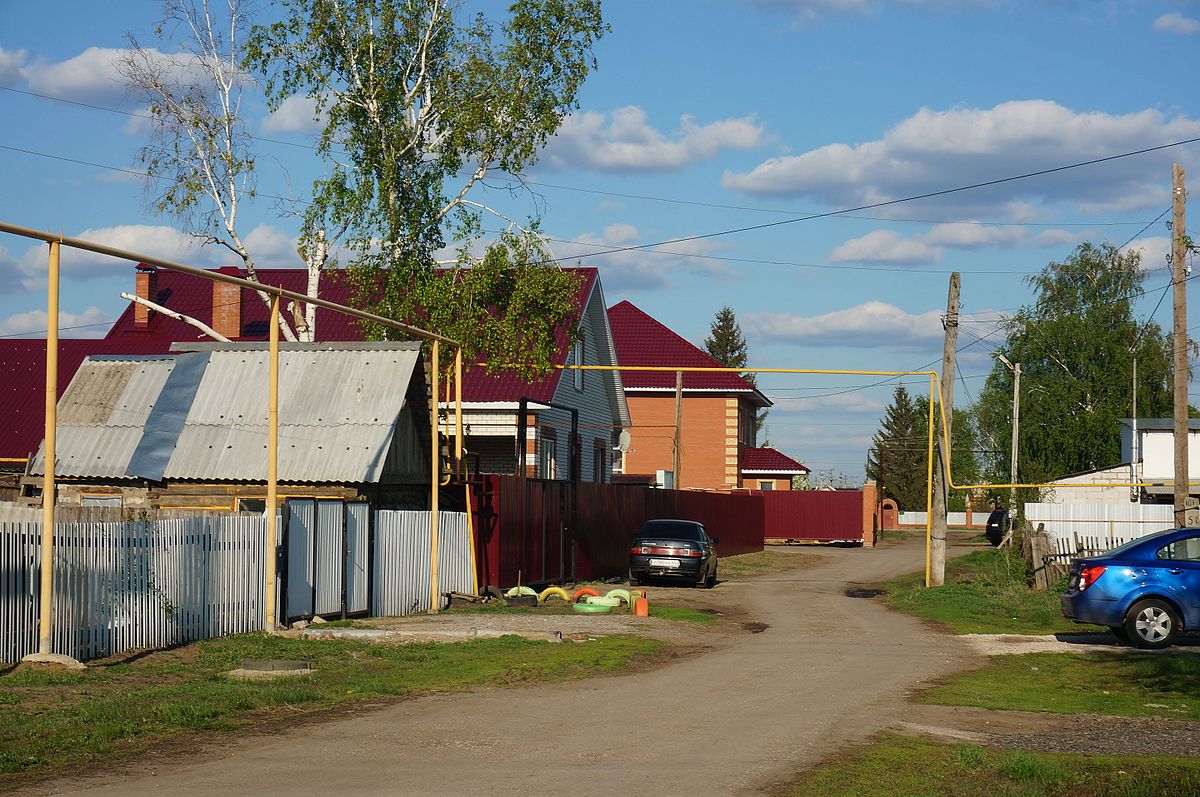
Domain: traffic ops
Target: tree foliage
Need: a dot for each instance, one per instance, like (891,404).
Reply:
(726,344)
(898,459)
(421,103)
(1076,344)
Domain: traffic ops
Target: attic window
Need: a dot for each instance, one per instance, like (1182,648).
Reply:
(578,360)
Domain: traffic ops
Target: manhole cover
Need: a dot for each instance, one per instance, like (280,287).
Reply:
(863,592)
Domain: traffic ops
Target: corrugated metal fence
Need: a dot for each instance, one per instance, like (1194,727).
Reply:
(122,585)
(1105,525)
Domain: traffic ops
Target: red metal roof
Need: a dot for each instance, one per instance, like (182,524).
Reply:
(23,389)
(192,296)
(769,460)
(642,340)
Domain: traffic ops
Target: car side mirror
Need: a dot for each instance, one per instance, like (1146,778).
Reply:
(714,540)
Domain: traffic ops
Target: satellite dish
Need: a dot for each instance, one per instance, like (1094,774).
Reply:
(623,441)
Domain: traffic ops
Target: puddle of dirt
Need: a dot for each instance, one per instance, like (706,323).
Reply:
(755,628)
(863,592)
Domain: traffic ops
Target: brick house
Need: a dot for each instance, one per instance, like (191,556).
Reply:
(716,436)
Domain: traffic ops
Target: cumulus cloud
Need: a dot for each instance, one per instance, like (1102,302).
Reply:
(10,65)
(642,269)
(624,141)
(1176,23)
(1154,250)
(297,114)
(869,325)
(885,246)
(933,150)
(93,76)
(91,323)
(271,247)
(845,402)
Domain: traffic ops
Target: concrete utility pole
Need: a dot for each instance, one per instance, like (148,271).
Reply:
(941,476)
(677,459)
(1179,341)
(1016,425)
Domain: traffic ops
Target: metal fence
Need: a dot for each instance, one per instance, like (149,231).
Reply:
(134,584)
(122,585)
(1102,525)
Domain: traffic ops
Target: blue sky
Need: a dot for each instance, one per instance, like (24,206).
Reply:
(712,116)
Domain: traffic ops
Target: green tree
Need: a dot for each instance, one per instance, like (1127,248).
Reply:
(422,102)
(1076,344)
(896,460)
(726,345)
(965,448)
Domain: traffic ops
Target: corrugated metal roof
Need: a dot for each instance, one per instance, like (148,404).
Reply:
(203,414)
(769,460)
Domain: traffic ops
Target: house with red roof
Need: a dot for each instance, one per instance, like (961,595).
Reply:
(490,401)
(716,436)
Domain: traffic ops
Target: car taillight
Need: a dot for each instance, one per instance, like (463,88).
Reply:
(1088,576)
(639,549)
(691,553)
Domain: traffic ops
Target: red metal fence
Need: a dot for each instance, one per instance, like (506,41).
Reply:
(540,531)
(813,515)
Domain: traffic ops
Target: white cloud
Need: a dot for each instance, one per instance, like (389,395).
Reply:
(871,324)
(91,323)
(625,142)
(10,65)
(153,241)
(642,269)
(968,235)
(93,75)
(885,246)
(1176,23)
(1154,250)
(933,150)
(272,248)
(845,402)
(297,114)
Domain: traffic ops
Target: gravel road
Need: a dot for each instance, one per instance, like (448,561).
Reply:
(829,669)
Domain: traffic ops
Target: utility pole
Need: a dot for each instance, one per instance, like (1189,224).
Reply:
(1179,341)
(941,475)
(1016,425)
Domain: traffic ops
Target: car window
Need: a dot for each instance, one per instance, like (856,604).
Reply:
(675,530)
(1182,550)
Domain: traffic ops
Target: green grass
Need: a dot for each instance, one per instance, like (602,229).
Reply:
(898,766)
(760,563)
(985,592)
(682,614)
(1123,684)
(53,722)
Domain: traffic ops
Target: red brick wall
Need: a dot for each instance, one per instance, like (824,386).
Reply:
(227,309)
(146,287)
(709,439)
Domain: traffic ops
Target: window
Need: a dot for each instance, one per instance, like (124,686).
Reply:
(1185,550)
(252,505)
(547,467)
(578,360)
(599,460)
(766,485)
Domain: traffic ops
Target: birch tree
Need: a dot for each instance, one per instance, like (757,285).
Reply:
(198,159)
(423,102)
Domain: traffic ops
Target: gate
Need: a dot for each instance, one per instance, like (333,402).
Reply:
(326,568)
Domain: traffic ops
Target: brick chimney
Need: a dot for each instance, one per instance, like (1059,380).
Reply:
(146,287)
(227,305)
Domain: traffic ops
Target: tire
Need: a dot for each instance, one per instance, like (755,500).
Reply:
(1152,623)
(711,581)
(634,581)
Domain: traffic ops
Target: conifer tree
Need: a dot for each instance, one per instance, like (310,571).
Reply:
(897,459)
(726,345)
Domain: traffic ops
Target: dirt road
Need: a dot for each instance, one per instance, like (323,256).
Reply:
(829,669)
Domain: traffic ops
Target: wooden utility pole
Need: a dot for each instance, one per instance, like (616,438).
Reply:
(677,459)
(941,476)
(1179,341)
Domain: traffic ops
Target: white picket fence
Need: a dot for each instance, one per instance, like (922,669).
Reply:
(124,585)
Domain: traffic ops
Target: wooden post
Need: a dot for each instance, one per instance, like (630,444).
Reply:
(941,481)
(1179,341)
(46,605)
(435,478)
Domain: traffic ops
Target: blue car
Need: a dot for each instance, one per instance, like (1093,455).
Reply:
(1146,591)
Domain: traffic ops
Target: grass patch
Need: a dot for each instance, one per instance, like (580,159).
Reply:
(985,592)
(53,722)
(1121,684)
(760,563)
(898,766)
(683,615)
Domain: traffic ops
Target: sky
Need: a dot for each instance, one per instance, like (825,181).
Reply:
(702,119)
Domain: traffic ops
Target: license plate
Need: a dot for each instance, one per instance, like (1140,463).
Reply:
(667,563)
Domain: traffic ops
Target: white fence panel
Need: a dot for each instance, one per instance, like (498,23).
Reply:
(1111,524)
(402,578)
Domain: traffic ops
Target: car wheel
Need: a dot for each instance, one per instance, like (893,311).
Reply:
(1152,623)
(711,581)
(634,581)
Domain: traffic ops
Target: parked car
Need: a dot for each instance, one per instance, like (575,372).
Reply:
(1146,591)
(676,549)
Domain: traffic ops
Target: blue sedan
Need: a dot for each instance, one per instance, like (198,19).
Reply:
(1146,591)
